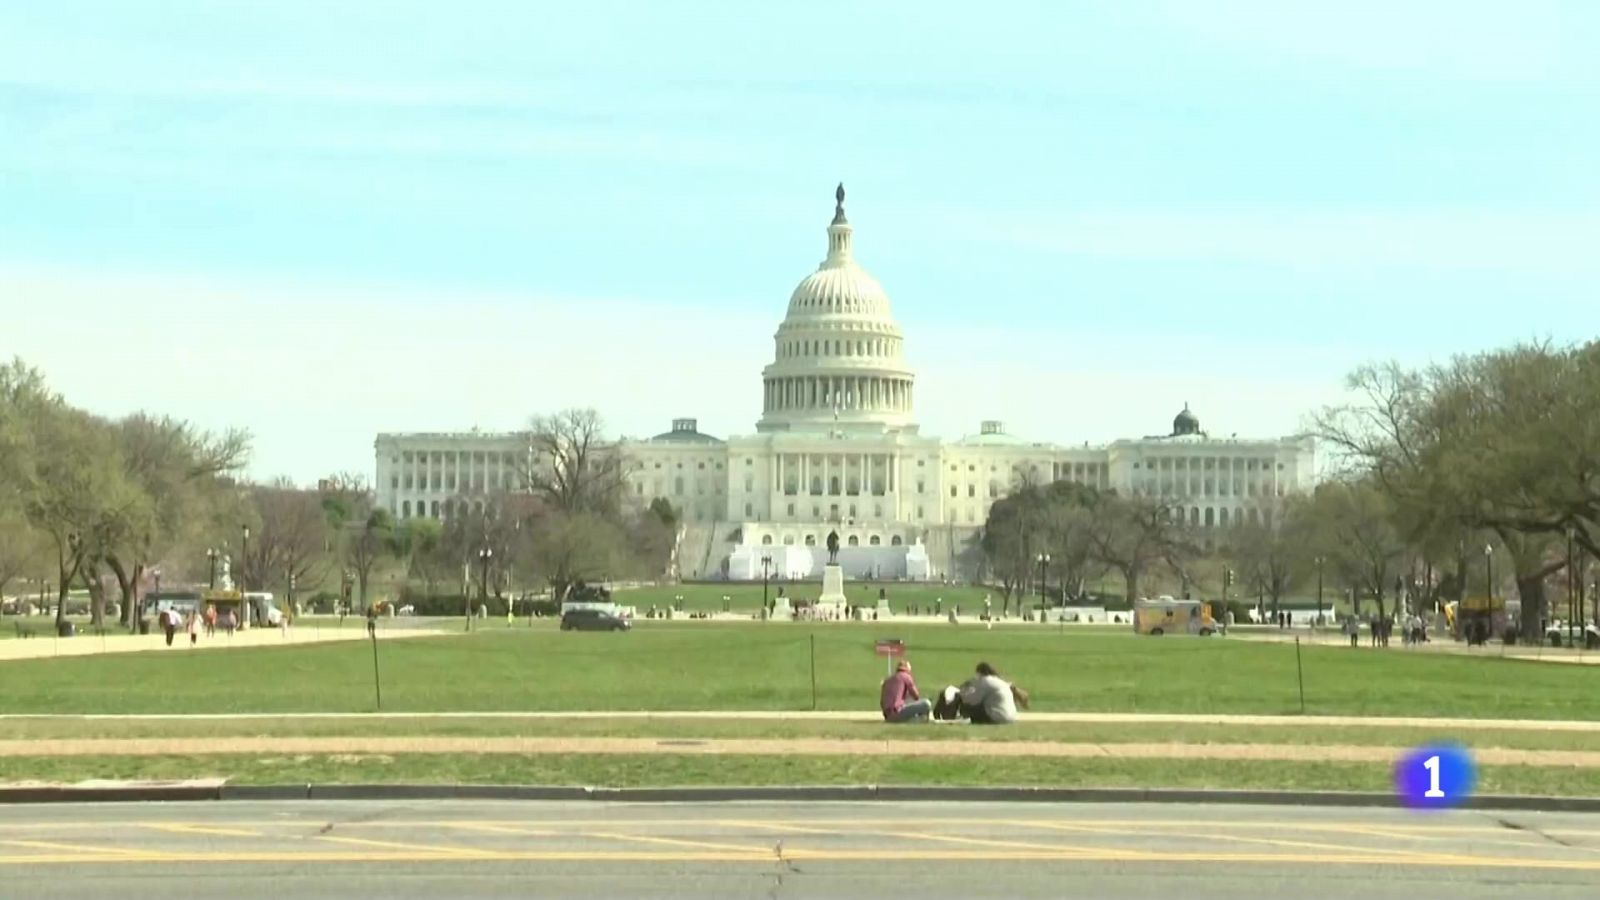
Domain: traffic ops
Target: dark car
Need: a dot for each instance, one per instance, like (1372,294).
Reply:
(593,620)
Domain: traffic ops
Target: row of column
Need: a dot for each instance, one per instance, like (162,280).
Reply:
(1194,481)
(462,465)
(848,392)
(876,473)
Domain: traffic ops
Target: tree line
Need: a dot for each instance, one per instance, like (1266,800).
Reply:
(1449,480)
(117,506)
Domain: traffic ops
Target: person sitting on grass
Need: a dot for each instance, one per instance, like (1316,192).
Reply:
(988,699)
(900,700)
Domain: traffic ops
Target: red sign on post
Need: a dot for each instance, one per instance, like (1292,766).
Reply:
(890,647)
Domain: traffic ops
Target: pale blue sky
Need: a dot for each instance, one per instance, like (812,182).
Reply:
(331,219)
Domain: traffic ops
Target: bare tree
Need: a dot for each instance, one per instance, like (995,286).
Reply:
(572,467)
(1134,533)
(290,534)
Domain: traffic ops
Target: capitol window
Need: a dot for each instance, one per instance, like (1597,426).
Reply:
(873,540)
(972,490)
(954,492)
(895,541)
(749,510)
(791,510)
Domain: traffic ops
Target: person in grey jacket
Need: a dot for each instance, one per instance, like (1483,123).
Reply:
(988,699)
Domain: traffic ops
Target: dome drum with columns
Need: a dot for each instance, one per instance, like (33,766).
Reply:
(836,449)
(837,358)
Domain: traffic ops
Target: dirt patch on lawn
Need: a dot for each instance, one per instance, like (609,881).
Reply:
(389,746)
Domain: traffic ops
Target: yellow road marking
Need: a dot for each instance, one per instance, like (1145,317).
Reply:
(415,848)
(675,842)
(488,828)
(778,827)
(953,855)
(1398,828)
(82,849)
(182,828)
(986,842)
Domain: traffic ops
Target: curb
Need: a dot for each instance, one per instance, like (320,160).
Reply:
(841,794)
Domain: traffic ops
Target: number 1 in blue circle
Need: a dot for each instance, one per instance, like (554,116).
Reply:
(1433,791)
(1435,777)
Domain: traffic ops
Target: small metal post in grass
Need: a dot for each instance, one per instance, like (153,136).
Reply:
(813,673)
(1300,674)
(377,683)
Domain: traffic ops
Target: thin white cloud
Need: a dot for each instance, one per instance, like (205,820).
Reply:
(1549,242)
(315,371)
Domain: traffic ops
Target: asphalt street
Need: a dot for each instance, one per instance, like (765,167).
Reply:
(294,849)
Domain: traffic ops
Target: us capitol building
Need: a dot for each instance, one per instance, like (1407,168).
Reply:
(837,449)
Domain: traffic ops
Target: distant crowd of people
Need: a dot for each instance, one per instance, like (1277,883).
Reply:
(172,620)
(1414,630)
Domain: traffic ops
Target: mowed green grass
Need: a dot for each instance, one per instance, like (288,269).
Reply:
(669,770)
(669,728)
(746,596)
(748,666)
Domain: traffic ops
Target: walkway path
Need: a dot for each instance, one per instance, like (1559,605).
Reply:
(91,644)
(1439,724)
(123,747)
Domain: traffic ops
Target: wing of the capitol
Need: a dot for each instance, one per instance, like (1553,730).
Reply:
(837,449)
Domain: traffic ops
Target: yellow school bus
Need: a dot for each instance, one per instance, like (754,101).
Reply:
(1166,615)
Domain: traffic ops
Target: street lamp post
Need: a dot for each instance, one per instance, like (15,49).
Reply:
(244,563)
(211,556)
(1044,575)
(1571,590)
(1320,562)
(766,569)
(1488,579)
(289,601)
(484,555)
(1227,581)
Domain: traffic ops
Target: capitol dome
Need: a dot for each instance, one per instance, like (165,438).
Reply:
(838,356)
(1185,423)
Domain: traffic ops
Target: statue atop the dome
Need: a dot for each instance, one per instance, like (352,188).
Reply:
(838,209)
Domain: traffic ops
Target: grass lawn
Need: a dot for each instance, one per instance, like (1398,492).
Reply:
(746,597)
(698,666)
(641,770)
(668,728)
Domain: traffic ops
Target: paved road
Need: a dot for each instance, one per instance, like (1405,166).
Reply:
(484,849)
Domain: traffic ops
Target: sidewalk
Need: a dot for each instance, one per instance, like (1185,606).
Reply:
(84,644)
(124,747)
(1436,645)
(1440,724)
